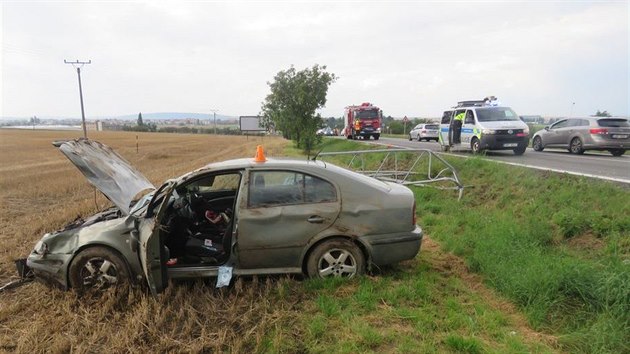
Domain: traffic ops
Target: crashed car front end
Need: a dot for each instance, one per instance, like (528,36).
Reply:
(51,257)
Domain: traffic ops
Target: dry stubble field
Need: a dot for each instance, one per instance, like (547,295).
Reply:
(40,190)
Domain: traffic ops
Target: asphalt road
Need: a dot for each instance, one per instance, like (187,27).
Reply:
(592,164)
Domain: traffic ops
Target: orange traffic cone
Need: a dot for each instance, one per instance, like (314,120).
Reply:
(260,155)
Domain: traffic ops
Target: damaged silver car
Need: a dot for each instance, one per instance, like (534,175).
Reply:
(237,217)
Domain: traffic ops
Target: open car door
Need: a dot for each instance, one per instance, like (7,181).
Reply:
(152,255)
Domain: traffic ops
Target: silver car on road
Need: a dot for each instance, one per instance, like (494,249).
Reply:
(424,132)
(241,217)
(581,134)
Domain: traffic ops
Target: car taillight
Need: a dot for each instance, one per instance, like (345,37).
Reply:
(413,217)
(598,131)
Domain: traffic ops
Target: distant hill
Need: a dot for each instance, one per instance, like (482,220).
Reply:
(173,115)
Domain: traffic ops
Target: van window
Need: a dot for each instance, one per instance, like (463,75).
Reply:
(470,118)
(493,114)
(446,117)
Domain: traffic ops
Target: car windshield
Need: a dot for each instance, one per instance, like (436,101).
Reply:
(493,114)
(432,126)
(371,114)
(140,206)
(613,123)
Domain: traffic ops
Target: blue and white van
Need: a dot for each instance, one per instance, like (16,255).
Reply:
(486,127)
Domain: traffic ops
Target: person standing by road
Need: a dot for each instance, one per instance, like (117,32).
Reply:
(458,121)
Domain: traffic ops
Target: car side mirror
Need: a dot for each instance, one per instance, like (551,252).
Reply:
(547,128)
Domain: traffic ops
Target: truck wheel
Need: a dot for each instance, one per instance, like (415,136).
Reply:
(97,268)
(376,136)
(335,258)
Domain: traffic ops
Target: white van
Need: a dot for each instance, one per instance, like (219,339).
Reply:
(485,127)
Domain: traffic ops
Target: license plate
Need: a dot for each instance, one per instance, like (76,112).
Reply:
(620,136)
(509,145)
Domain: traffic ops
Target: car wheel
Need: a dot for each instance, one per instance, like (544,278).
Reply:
(475,146)
(617,152)
(520,150)
(376,136)
(336,258)
(97,268)
(445,148)
(537,144)
(410,137)
(576,146)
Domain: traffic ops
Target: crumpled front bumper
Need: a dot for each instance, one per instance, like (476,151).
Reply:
(50,268)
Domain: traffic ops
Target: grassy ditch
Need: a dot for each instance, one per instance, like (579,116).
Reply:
(558,246)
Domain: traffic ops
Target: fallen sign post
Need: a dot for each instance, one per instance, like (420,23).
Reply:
(250,124)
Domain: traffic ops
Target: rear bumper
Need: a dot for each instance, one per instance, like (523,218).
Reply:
(395,247)
(503,142)
(601,143)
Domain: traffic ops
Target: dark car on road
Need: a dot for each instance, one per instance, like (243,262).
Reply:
(590,133)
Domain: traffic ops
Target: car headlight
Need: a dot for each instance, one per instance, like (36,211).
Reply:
(41,248)
(489,131)
(526,131)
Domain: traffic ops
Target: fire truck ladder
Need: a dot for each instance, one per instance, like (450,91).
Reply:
(402,166)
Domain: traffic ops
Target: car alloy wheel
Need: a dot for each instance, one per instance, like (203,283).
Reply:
(97,268)
(537,145)
(576,146)
(475,146)
(336,258)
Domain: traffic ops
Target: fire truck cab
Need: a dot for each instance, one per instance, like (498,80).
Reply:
(363,121)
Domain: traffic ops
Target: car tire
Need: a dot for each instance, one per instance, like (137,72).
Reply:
(97,268)
(475,146)
(617,152)
(445,148)
(335,258)
(576,146)
(376,136)
(537,144)
(520,150)
(410,137)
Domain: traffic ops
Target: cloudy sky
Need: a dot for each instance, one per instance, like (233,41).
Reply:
(411,58)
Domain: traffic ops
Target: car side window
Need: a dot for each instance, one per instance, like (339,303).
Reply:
(560,124)
(212,183)
(446,117)
(470,118)
(276,188)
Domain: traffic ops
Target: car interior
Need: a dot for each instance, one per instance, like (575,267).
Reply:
(199,221)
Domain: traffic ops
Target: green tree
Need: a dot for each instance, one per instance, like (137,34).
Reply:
(602,114)
(294,98)
(140,122)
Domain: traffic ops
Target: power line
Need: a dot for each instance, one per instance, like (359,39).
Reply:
(78,65)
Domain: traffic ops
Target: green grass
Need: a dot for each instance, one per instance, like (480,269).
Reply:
(557,246)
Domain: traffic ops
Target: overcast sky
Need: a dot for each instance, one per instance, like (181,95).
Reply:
(411,58)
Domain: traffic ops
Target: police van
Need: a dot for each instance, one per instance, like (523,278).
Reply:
(486,125)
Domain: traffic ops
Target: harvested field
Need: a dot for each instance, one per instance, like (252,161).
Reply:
(430,304)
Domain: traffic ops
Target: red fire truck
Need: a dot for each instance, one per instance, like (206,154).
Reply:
(363,121)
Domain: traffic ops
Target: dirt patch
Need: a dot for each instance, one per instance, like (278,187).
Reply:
(449,264)
(586,242)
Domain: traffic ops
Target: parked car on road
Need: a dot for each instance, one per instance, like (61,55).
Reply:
(589,133)
(424,132)
(244,217)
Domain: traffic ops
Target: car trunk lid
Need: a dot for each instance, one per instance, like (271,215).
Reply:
(106,170)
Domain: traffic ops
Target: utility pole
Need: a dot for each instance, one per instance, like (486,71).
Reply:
(79,64)
(214,113)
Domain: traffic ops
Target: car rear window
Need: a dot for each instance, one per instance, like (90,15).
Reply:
(613,122)
(432,126)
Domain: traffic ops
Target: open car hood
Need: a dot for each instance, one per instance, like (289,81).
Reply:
(106,170)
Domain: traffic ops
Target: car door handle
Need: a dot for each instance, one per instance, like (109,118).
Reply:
(315,219)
